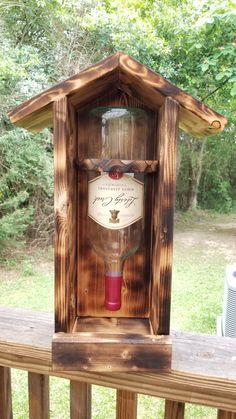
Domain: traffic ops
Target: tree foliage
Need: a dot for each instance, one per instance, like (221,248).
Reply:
(26,183)
(191,42)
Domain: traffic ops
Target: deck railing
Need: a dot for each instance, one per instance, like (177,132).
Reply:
(203,372)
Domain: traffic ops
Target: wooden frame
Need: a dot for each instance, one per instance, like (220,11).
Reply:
(84,337)
(163,216)
(65,215)
(131,340)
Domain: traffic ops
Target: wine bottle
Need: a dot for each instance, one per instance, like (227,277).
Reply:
(115,199)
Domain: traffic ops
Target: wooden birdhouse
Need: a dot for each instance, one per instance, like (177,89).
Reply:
(115,130)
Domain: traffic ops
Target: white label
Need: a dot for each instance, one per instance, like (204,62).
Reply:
(115,203)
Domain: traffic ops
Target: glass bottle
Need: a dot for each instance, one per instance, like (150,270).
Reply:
(115,199)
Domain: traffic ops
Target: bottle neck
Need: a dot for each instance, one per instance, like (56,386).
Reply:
(113,267)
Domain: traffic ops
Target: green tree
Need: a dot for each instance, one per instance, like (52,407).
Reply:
(26,183)
(190,42)
(43,41)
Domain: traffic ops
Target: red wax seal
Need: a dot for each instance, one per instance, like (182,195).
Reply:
(113,284)
(115,175)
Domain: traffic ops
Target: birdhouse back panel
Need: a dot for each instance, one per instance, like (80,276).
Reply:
(90,267)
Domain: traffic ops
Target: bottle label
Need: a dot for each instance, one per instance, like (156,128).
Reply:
(115,203)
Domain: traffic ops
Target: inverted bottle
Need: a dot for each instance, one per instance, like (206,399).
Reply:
(115,199)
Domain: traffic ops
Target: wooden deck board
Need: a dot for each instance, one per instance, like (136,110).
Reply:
(38,385)
(203,367)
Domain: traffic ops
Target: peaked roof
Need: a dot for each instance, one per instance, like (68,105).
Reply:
(123,72)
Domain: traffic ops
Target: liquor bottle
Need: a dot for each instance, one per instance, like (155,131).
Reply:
(115,199)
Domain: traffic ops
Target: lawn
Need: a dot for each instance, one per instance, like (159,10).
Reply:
(203,245)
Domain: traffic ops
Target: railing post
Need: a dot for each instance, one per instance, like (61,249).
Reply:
(38,385)
(5,393)
(126,404)
(174,410)
(80,400)
(223,414)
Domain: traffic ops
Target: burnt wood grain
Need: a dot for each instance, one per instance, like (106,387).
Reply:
(163,214)
(119,71)
(126,405)
(116,352)
(38,385)
(65,199)
(112,325)
(5,393)
(116,165)
(195,117)
(223,414)
(90,266)
(203,367)
(80,400)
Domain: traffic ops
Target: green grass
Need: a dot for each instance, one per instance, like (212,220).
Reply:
(197,291)
(28,280)
(201,252)
(203,246)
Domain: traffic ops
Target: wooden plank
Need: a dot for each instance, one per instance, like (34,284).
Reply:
(174,410)
(203,367)
(140,81)
(65,214)
(133,75)
(163,214)
(189,121)
(123,166)
(116,352)
(223,414)
(38,396)
(43,118)
(27,327)
(84,82)
(5,393)
(80,400)
(126,404)
(112,325)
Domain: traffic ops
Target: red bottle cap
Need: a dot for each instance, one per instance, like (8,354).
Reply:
(115,175)
(113,284)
